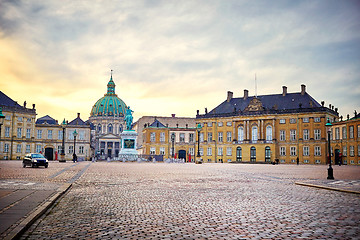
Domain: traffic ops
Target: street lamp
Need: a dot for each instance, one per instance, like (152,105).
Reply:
(172,141)
(74,155)
(330,169)
(2,118)
(62,154)
(198,129)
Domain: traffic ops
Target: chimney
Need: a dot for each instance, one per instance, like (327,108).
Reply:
(322,103)
(284,90)
(24,104)
(78,115)
(173,115)
(229,96)
(246,94)
(205,110)
(197,112)
(303,89)
(33,106)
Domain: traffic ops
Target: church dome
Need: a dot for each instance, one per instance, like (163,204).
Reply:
(110,104)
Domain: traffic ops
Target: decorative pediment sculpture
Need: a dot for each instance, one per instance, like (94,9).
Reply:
(254,106)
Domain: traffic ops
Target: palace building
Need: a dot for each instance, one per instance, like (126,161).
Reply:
(285,127)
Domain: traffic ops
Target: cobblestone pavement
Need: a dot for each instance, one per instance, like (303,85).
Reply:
(187,201)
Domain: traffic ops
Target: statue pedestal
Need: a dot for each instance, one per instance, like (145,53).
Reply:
(128,142)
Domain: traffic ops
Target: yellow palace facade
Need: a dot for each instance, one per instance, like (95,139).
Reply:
(286,127)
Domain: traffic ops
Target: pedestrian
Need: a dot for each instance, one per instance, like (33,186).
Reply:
(74,158)
(297,160)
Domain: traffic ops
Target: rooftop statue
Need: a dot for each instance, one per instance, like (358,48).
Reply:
(128,118)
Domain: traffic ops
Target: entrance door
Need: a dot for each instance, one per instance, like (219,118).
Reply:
(238,154)
(182,154)
(49,153)
(337,156)
(109,153)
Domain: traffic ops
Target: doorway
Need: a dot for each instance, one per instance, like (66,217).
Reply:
(182,154)
(49,153)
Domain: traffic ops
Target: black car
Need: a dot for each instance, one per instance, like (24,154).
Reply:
(35,160)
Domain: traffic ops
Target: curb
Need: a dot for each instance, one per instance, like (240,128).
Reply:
(40,210)
(327,188)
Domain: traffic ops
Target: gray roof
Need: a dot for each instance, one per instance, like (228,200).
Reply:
(157,124)
(46,120)
(6,101)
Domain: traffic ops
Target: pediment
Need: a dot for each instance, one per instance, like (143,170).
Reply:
(254,105)
(109,136)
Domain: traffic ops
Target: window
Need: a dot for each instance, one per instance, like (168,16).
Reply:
(191,137)
(162,151)
(39,134)
(220,124)
(358,131)
(20,119)
(201,137)
(228,136)
(18,148)
(152,150)
(81,149)
(351,150)
(50,134)
(344,151)
(306,134)
(7,131)
(201,151)
(351,132)
(317,119)
(282,135)
(359,150)
(317,151)
(209,136)
(6,147)
(99,128)
(81,135)
(162,137)
(253,154)
(191,151)
(282,151)
(240,134)
(182,137)
(292,151)
(38,148)
(60,134)
(306,151)
(59,149)
(220,136)
(282,121)
(268,133)
(344,132)
(220,151)
(267,154)
(209,124)
(8,117)
(292,135)
(305,120)
(229,124)
(254,133)
(317,161)
(238,154)
(209,151)
(152,137)
(28,133)
(110,128)
(337,133)
(71,149)
(306,160)
(19,132)
(292,120)
(317,134)
(228,151)
(27,150)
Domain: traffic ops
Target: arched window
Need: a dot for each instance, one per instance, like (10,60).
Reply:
(238,154)
(253,154)
(240,134)
(120,128)
(110,128)
(267,154)
(254,132)
(99,128)
(268,133)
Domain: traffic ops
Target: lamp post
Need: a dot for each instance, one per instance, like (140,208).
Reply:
(62,154)
(172,141)
(198,129)
(2,118)
(330,169)
(74,155)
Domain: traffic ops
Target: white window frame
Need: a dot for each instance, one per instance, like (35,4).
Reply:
(162,136)
(282,135)
(162,150)
(240,134)
(19,132)
(228,151)
(182,137)
(305,120)
(282,151)
(152,150)
(28,133)
(50,134)
(152,136)
(220,151)
(292,135)
(293,151)
(306,134)
(39,134)
(317,134)
(220,136)
(228,136)
(317,150)
(306,151)
(254,134)
(209,137)
(209,151)
(269,133)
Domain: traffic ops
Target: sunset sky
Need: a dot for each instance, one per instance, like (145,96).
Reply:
(177,56)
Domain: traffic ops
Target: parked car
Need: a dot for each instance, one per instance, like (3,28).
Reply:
(35,160)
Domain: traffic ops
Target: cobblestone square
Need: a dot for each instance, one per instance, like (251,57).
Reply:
(113,200)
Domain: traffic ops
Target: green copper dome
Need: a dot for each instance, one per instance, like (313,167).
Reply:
(110,104)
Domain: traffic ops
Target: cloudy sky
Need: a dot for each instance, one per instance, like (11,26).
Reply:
(177,56)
